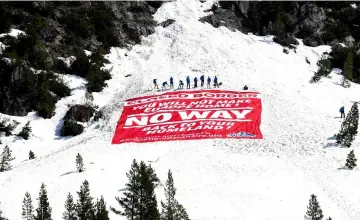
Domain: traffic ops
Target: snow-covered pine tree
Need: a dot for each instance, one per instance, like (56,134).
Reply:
(171,209)
(349,127)
(43,212)
(85,206)
(27,207)
(346,142)
(351,160)
(25,132)
(5,159)
(31,155)
(354,120)
(69,213)
(101,211)
(324,68)
(79,163)
(181,213)
(130,201)
(343,130)
(314,211)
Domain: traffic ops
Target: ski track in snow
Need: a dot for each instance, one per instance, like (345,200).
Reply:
(215,179)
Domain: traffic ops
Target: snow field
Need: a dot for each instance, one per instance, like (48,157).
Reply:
(215,179)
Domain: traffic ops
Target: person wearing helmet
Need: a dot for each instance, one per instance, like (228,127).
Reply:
(195,82)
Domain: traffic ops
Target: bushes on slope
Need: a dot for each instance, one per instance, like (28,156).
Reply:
(81,113)
(23,91)
(91,70)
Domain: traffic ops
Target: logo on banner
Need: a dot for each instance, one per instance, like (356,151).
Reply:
(241,134)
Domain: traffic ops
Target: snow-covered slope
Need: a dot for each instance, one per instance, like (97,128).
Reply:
(215,179)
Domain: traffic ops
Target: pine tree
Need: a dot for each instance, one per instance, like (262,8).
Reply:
(139,202)
(354,120)
(85,207)
(5,159)
(351,160)
(27,207)
(43,212)
(348,69)
(171,209)
(2,217)
(148,202)
(79,163)
(31,155)
(168,208)
(279,25)
(69,213)
(349,127)
(130,201)
(324,69)
(101,211)
(347,140)
(180,213)
(314,211)
(25,132)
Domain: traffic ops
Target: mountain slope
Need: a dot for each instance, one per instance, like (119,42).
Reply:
(216,179)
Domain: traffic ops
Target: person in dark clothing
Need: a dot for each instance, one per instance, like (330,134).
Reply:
(188,82)
(216,82)
(195,82)
(155,84)
(164,85)
(171,83)
(181,84)
(208,82)
(246,87)
(342,111)
(202,79)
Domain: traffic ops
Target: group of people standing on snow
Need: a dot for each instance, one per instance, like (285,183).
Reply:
(181,83)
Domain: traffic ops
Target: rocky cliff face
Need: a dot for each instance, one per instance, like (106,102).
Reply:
(314,22)
(133,19)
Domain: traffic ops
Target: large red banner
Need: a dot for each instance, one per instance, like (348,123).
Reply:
(188,115)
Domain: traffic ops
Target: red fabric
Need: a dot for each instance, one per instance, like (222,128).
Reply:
(189,115)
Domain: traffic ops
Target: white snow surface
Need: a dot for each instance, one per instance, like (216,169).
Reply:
(13,33)
(220,179)
(68,60)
